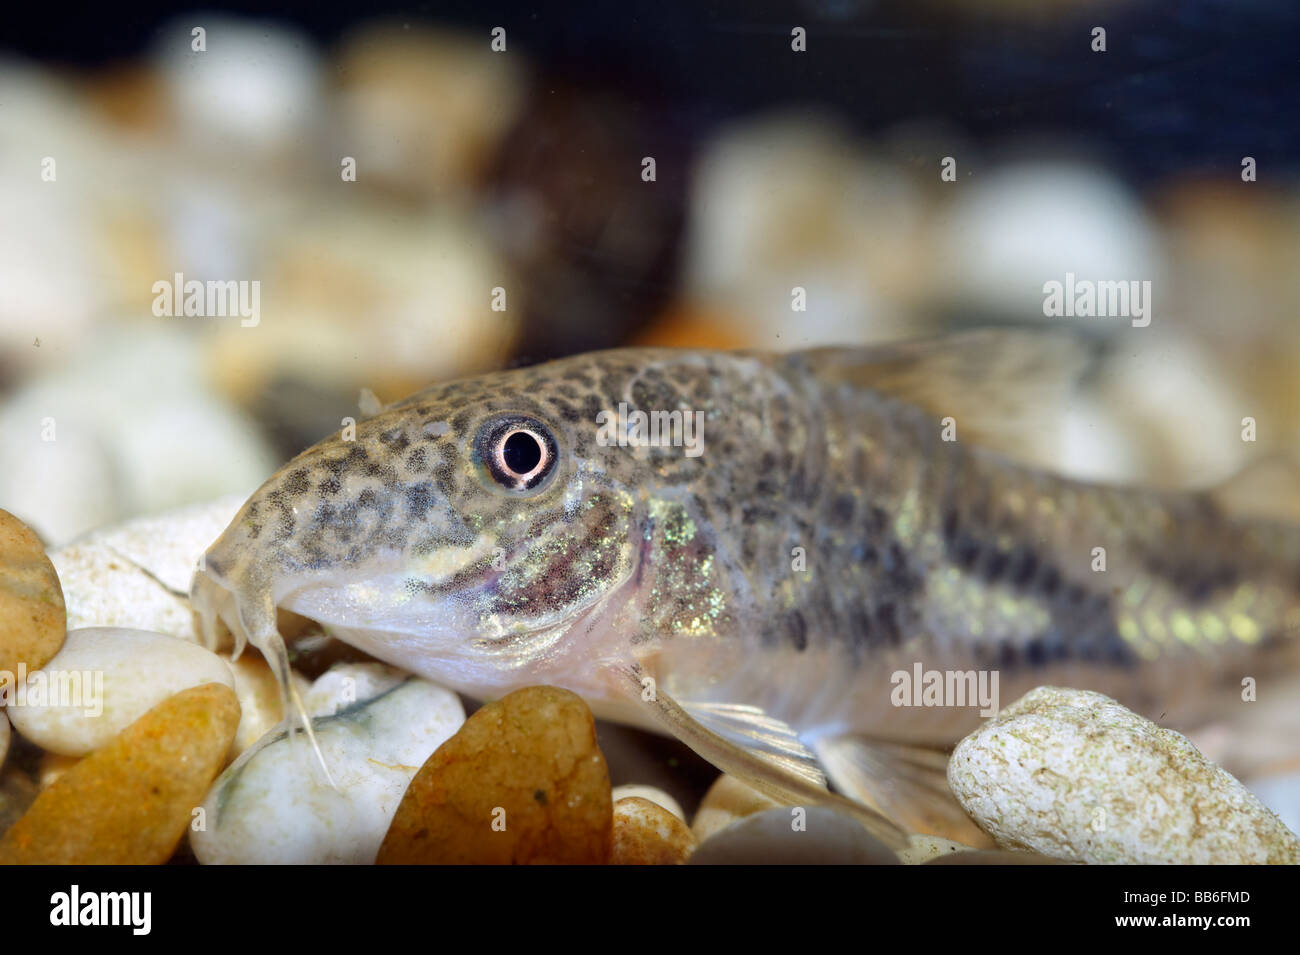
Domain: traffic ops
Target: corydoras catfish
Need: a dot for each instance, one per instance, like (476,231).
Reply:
(752,561)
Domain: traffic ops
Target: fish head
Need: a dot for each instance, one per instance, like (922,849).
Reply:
(474,533)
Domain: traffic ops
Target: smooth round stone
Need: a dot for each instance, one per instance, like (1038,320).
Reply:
(653,793)
(1076,776)
(345,684)
(522,782)
(130,802)
(770,838)
(32,614)
(123,674)
(727,800)
(273,804)
(645,833)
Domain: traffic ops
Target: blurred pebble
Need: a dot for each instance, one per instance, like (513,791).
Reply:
(142,435)
(424,110)
(523,781)
(1009,230)
(923,848)
(1074,775)
(130,802)
(122,674)
(273,804)
(368,298)
(770,838)
(645,833)
(727,800)
(32,613)
(651,793)
(255,89)
(791,201)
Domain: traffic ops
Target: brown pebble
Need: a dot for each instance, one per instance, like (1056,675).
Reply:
(33,619)
(646,833)
(523,781)
(130,801)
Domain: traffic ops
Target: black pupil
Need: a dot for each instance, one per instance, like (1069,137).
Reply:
(522,452)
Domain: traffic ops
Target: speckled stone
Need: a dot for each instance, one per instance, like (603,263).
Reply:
(136,574)
(645,833)
(770,837)
(130,802)
(1075,776)
(522,782)
(922,848)
(32,615)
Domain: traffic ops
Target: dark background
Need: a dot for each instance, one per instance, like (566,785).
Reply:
(1186,86)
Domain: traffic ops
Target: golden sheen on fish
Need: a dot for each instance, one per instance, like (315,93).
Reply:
(765,555)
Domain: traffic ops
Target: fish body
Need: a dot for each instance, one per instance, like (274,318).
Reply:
(829,533)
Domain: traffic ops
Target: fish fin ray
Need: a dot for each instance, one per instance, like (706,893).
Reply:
(747,764)
(909,784)
(998,384)
(755,729)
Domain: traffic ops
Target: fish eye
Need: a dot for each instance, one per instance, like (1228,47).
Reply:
(518,452)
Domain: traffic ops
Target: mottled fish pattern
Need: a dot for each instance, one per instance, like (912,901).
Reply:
(826,537)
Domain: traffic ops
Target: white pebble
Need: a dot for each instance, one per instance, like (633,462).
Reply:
(105,678)
(135,575)
(653,794)
(1074,775)
(273,804)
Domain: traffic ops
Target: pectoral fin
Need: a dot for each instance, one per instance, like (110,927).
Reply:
(909,784)
(757,748)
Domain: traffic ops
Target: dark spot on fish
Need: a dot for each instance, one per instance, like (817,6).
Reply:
(887,620)
(331,485)
(416,460)
(297,482)
(395,439)
(1051,581)
(419,498)
(798,630)
(460,423)
(842,510)
(1024,567)
(997,566)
